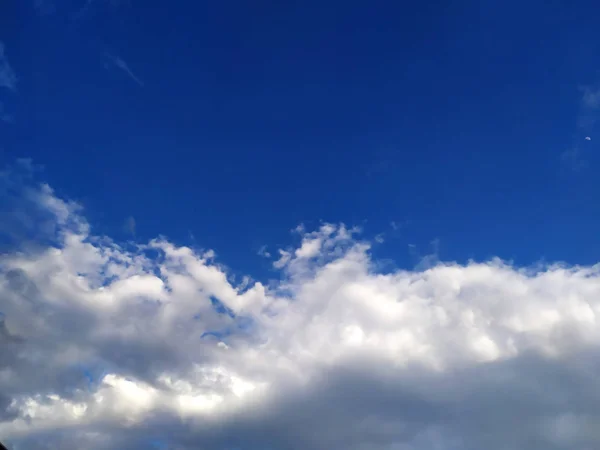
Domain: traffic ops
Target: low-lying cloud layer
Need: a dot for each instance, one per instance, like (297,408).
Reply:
(106,346)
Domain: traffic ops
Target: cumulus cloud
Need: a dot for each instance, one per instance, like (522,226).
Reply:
(107,347)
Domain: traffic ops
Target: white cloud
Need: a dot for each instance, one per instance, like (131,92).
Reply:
(102,347)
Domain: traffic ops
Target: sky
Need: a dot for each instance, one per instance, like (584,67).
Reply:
(299,225)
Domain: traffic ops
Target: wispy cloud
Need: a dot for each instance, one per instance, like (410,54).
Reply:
(573,160)
(264,252)
(4,116)
(591,97)
(89,5)
(8,81)
(44,7)
(398,226)
(122,65)
(83,10)
(589,115)
(589,112)
(427,260)
(130,225)
(8,78)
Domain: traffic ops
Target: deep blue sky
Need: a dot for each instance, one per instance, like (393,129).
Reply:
(240,120)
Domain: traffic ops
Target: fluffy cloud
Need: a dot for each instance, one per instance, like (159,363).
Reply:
(105,346)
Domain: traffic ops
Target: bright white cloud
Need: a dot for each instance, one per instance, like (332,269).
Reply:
(102,347)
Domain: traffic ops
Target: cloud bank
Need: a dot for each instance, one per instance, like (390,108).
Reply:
(106,346)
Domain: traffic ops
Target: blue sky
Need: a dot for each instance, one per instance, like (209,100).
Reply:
(234,122)
(344,161)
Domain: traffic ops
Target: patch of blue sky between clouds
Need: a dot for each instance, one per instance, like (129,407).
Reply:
(220,308)
(158,443)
